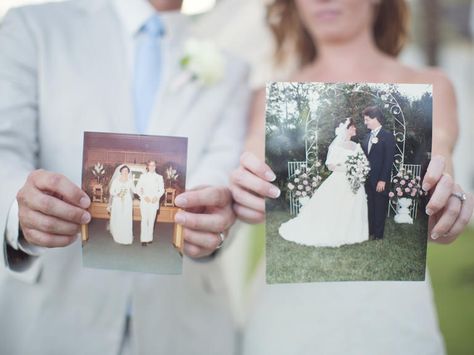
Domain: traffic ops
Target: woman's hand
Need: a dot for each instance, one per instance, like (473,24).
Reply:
(250,184)
(448,214)
(51,209)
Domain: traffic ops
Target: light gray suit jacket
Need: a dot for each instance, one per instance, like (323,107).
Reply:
(62,72)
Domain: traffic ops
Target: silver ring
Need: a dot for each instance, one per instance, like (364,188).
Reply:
(222,236)
(460,195)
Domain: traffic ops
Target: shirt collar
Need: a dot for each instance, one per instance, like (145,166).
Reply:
(376,131)
(134,13)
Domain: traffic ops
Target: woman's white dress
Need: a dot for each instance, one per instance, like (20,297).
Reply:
(121,215)
(349,317)
(334,215)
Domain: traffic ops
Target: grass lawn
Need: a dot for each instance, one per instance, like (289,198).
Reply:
(399,256)
(452,275)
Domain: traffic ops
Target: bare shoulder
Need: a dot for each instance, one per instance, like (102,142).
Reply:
(431,75)
(443,90)
(445,116)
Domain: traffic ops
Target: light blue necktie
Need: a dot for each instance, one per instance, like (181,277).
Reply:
(372,136)
(147,72)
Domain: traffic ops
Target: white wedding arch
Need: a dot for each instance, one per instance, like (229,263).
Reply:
(383,93)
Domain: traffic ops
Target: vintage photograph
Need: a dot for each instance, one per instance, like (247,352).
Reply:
(132,181)
(350,160)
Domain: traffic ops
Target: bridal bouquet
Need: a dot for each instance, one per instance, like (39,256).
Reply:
(357,170)
(122,193)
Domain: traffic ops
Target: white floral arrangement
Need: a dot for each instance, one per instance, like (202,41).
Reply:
(171,174)
(202,62)
(406,185)
(357,170)
(98,171)
(305,181)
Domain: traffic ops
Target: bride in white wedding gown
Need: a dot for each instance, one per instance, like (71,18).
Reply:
(334,215)
(121,214)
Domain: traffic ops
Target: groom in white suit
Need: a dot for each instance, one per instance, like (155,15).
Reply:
(92,65)
(150,188)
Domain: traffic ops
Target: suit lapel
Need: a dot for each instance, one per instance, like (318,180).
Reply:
(366,144)
(374,147)
(380,137)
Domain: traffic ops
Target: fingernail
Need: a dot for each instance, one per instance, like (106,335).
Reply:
(429,211)
(86,218)
(179,218)
(274,192)
(426,187)
(434,236)
(270,176)
(85,202)
(180,201)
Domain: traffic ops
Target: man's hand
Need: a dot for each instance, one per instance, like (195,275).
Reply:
(51,209)
(154,200)
(380,186)
(147,199)
(208,212)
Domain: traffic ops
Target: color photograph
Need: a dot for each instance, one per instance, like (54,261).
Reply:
(349,160)
(132,181)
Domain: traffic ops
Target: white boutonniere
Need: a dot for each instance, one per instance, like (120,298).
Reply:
(375,140)
(202,62)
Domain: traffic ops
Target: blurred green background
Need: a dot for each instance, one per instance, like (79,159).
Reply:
(452,275)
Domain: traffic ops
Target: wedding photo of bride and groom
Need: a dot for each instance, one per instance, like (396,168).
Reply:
(350,159)
(149,188)
(132,181)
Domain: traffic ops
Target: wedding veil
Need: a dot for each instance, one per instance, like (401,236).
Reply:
(116,175)
(341,133)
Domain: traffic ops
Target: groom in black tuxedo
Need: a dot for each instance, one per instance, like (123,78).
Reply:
(379,146)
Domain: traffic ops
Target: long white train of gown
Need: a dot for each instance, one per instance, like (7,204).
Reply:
(334,216)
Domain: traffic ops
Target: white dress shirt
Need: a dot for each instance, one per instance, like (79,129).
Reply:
(373,134)
(134,14)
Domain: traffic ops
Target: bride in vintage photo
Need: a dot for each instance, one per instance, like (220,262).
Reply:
(121,204)
(337,213)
